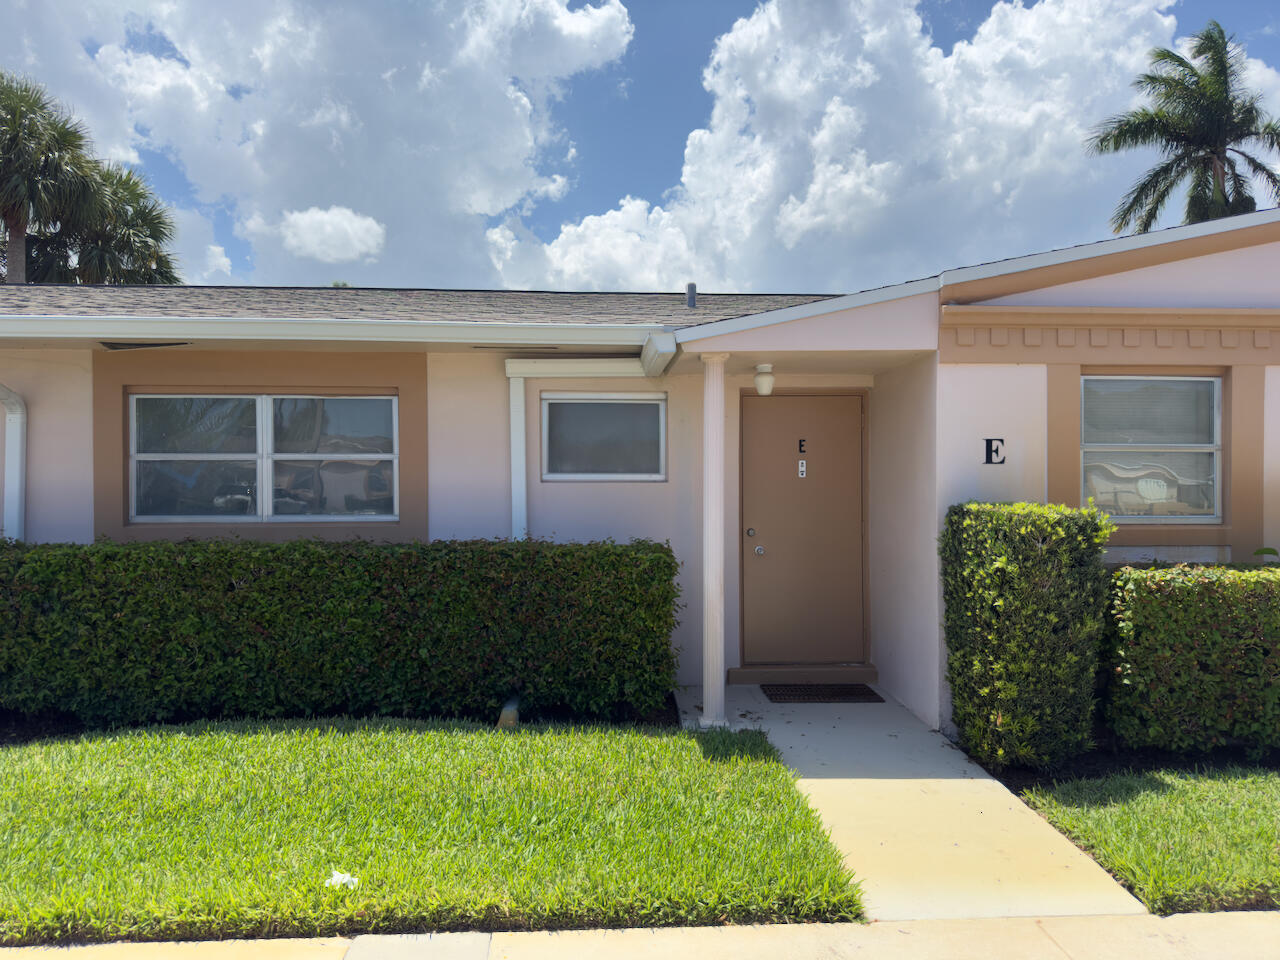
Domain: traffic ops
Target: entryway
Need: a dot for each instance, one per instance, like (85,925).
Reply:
(802,538)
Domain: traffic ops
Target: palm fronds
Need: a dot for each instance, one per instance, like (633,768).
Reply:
(67,217)
(1201,119)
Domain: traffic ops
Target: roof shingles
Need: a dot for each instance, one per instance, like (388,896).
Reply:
(371,303)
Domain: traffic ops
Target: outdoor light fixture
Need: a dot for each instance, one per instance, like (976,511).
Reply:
(764,379)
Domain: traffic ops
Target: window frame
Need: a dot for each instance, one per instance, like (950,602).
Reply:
(658,398)
(264,458)
(1216,448)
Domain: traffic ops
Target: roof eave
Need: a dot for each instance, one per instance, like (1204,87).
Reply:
(214,329)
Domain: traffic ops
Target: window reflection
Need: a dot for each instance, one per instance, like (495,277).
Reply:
(333,487)
(1151,484)
(193,488)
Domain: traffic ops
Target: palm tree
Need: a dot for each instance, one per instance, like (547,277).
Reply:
(46,174)
(1201,118)
(122,242)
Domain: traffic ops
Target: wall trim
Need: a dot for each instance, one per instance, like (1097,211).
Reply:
(962,314)
(1100,335)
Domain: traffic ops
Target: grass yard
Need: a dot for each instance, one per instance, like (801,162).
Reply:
(231,829)
(1181,840)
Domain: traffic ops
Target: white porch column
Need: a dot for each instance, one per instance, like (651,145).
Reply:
(519,479)
(15,465)
(713,480)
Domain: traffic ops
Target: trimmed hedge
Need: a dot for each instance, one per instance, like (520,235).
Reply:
(1026,594)
(1198,658)
(142,632)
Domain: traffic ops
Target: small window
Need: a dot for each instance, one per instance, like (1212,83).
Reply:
(1151,447)
(605,436)
(211,458)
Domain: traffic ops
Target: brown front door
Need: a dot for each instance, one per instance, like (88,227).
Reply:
(802,530)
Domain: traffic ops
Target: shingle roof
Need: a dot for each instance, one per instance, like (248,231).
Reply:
(356,303)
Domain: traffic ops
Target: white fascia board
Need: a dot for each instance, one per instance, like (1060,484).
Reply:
(1102,248)
(27,326)
(719,328)
(569,367)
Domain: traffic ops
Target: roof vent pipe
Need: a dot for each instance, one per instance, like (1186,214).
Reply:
(691,295)
(15,464)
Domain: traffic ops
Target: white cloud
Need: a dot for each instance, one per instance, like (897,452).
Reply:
(200,258)
(335,235)
(216,261)
(273,110)
(844,151)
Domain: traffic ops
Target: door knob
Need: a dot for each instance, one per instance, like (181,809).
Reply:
(759,551)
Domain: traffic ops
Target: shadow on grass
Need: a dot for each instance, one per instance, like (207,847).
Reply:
(716,745)
(1107,791)
(1126,785)
(17,729)
(722,746)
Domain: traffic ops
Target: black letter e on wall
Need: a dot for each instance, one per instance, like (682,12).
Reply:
(995,450)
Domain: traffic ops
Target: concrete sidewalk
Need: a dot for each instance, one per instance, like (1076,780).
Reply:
(928,833)
(1214,936)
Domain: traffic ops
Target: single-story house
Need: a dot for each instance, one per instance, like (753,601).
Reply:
(798,452)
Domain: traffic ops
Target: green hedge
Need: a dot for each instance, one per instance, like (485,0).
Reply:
(1026,596)
(131,633)
(1198,658)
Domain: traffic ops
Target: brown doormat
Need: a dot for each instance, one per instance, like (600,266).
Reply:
(820,693)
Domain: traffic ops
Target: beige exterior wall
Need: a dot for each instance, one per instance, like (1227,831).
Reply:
(468,449)
(57,386)
(905,601)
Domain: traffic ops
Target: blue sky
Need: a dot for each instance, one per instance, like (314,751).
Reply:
(632,118)
(794,144)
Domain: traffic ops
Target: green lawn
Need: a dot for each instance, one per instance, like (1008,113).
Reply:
(221,830)
(1180,840)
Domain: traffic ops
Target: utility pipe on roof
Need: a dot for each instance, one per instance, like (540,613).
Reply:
(15,464)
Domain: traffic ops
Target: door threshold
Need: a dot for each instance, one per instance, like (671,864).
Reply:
(805,673)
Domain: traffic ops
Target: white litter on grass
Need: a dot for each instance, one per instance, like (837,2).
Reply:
(340,879)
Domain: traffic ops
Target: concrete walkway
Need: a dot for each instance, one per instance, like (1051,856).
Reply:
(930,834)
(1212,936)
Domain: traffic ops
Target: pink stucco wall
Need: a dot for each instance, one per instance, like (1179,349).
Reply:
(906,644)
(910,323)
(468,451)
(1236,278)
(663,511)
(57,386)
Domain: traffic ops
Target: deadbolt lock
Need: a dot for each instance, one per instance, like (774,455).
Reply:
(751,531)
